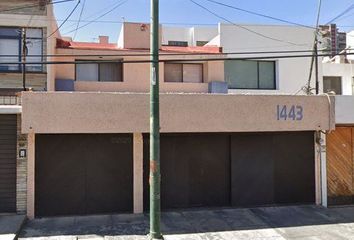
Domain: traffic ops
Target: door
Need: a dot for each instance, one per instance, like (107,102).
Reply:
(340,166)
(195,170)
(8,143)
(272,168)
(78,174)
(234,169)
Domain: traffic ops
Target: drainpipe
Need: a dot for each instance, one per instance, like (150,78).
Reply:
(321,153)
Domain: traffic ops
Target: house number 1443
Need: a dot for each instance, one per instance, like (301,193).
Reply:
(290,113)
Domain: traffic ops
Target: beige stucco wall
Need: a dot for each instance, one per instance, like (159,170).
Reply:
(136,76)
(129,113)
(136,35)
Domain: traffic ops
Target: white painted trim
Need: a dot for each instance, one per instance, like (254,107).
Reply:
(10,109)
(323,170)
(31,176)
(318,185)
(138,190)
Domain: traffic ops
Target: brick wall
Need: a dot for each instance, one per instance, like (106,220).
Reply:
(21,184)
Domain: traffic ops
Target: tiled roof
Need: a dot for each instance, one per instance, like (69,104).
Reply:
(111,46)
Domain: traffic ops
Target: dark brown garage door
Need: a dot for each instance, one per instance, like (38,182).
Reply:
(272,168)
(208,170)
(82,174)
(8,142)
(195,170)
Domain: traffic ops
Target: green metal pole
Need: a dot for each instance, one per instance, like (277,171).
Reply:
(155,177)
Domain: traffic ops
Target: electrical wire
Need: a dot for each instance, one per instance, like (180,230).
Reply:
(348,9)
(71,13)
(99,17)
(91,16)
(78,23)
(315,42)
(31,6)
(243,27)
(259,14)
(169,54)
(177,59)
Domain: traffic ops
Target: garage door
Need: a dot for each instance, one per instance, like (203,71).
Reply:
(340,166)
(8,142)
(82,174)
(208,170)
(272,168)
(195,170)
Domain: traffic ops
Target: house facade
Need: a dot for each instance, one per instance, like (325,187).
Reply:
(221,140)
(88,140)
(23,23)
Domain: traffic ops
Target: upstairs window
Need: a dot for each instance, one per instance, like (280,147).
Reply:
(99,72)
(241,74)
(201,43)
(11,45)
(332,84)
(184,72)
(178,43)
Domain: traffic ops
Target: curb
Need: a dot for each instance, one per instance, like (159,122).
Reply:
(24,221)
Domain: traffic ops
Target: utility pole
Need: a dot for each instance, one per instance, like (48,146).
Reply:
(155,176)
(24,53)
(316,46)
(316,64)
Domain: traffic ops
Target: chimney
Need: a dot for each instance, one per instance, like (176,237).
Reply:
(103,39)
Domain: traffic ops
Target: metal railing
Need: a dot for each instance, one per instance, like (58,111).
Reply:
(9,99)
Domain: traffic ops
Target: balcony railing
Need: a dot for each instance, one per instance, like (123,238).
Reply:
(10,98)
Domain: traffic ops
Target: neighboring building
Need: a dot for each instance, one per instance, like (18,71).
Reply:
(338,77)
(184,36)
(35,18)
(269,76)
(88,141)
(333,40)
(340,154)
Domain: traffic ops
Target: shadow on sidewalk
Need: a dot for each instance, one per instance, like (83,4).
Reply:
(189,221)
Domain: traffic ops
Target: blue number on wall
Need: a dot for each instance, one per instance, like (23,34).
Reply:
(295,113)
(292,114)
(299,113)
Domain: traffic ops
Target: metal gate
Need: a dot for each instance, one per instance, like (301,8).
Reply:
(236,169)
(8,143)
(272,168)
(78,174)
(195,170)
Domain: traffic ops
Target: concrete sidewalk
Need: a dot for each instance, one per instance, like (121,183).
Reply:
(276,223)
(10,226)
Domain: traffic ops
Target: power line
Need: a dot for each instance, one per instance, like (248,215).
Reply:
(260,14)
(92,15)
(71,13)
(314,58)
(78,23)
(243,27)
(168,54)
(348,9)
(101,16)
(175,60)
(31,6)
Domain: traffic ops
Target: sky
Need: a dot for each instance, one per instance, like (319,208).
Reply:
(184,12)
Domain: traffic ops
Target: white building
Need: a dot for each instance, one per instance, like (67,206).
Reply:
(270,76)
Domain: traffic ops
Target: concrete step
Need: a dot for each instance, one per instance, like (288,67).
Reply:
(10,226)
